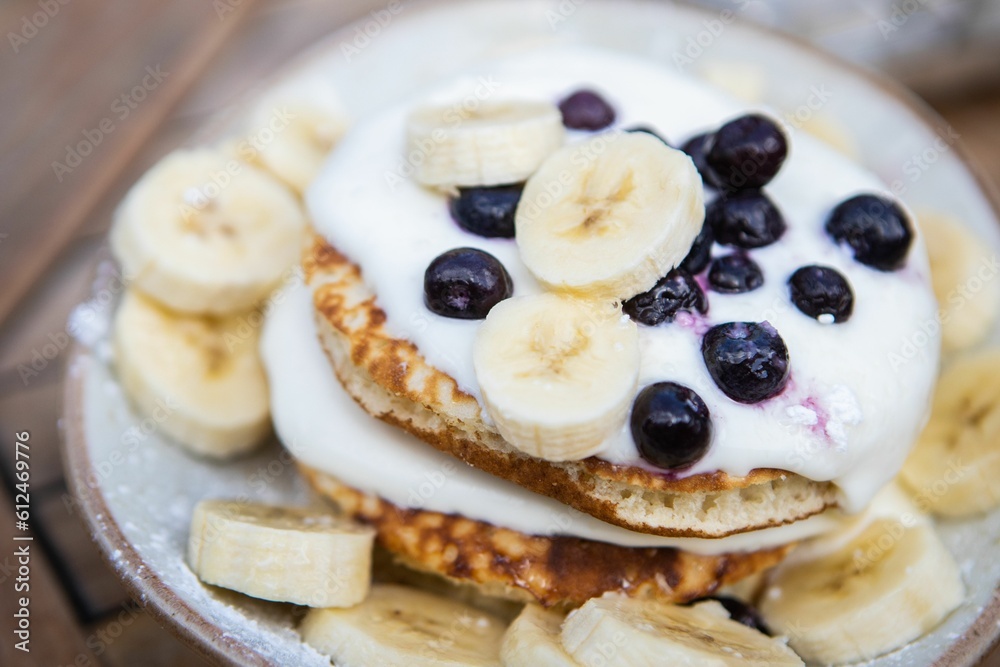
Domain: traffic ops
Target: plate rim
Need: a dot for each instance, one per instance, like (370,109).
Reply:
(189,625)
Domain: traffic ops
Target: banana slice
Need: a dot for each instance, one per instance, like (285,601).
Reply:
(495,144)
(557,374)
(532,640)
(954,469)
(891,503)
(302,136)
(609,217)
(285,554)
(884,589)
(198,379)
(397,626)
(204,233)
(614,630)
(963,277)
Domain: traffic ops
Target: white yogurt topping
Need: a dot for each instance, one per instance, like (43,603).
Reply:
(851,410)
(323,427)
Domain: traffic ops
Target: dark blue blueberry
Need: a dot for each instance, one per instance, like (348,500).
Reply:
(747,152)
(586,110)
(747,220)
(735,274)
(671,425)
(876,229)
(487,212)
(747,360)
(648,130)
(741,612)
(697,148)
(701,251)
(465,283)
(820,290)
(674,292)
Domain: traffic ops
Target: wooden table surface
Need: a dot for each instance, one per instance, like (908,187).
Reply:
(65,69)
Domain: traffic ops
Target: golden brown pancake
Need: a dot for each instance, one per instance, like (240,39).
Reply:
(391,379)
(555,571)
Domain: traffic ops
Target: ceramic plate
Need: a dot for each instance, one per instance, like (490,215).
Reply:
(137,491)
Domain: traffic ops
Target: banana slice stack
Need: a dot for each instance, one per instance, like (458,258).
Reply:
(888,586)
(963,273)
(599,221)
(954,469)
(200,379)
(203,241)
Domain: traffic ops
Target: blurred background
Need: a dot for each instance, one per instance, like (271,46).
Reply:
(133,80)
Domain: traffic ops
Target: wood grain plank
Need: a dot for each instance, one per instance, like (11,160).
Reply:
(95,587)
(64,208)
(35,411)
(130,637)
(55,638)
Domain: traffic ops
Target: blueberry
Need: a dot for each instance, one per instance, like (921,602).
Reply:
(875,228)
(747,360)
(741,612)
(697,148)
(820,291)
(746,220)
(735,274)
(673,293)
(701,251)
(747,152)
(487,212)
(671,425)
(648,130)
(586,110)
(465,283)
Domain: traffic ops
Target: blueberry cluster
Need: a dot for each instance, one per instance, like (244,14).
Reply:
(748,361)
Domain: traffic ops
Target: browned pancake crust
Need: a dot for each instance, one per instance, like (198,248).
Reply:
(390,378)
(555,571)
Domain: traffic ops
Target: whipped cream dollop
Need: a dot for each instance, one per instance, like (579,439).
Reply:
(853,405)
(322,426)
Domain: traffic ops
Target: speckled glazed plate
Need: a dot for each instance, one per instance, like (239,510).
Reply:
(137,491)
